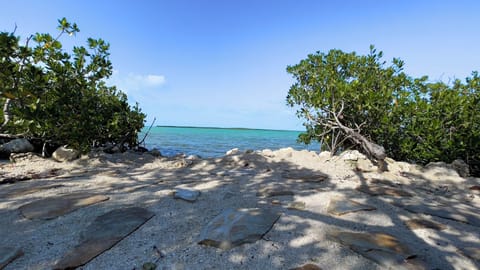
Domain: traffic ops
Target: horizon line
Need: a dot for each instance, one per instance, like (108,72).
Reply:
(238,128)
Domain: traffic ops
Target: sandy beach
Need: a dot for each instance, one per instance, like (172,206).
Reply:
(334,212)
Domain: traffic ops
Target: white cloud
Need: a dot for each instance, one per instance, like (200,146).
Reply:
(135,83)
(154,80)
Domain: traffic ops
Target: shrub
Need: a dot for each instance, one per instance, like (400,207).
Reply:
(61,97)
(413,119)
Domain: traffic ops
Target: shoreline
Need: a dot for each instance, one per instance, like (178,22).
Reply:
(229,128)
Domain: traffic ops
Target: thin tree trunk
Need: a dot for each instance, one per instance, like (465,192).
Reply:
(6,113)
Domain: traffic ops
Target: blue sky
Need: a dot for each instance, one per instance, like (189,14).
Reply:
(222,63)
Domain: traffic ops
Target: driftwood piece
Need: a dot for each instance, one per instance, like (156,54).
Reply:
(371,149)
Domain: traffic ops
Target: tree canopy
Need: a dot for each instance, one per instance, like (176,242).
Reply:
(61,97)
(414,119)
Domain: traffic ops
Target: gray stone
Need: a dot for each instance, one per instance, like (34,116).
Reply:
(16,146)
(50,208)
(8,255)
(382,248)
(235,227)
(186,194)
(63,154)
(103,233)
(340,206)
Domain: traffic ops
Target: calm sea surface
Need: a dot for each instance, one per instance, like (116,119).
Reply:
(214,142)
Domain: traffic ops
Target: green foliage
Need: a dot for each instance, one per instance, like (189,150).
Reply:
(61,97)
(412,118)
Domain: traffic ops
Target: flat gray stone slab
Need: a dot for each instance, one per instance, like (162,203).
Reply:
(471,252)
(51,208)
(417,223)
(382,248)
(103,233)
(275,191)
(379,190)
(305,176)
(186,194)
(297,205)
(340,206)
(455,211)
(235,227)
(308,266)
(8,255)
(29,190)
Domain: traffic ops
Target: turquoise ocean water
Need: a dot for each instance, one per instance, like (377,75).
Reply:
(214,142)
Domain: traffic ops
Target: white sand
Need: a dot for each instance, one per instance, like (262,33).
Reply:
(298,237)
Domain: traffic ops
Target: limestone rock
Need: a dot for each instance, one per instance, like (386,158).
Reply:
(232,152)
(308,266)
(417,223)
(50,208)
(235,227)
(18,157)
(186,194)
(275,191)
(193,157)
(383,190)
(9,254)
(155,152)
(29,190)
(471,252)
(461,167)
(16,146)
(63,154)
(149,266)
(297,205)
(352,155)
(305,176)
(382,248)
(103,233)
(365,165)
(438,170)
(325,154)
(397,166)
(458,212)
(340,206)
(268,153)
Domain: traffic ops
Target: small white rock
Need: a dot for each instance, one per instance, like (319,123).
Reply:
(65,154)
(232,151)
